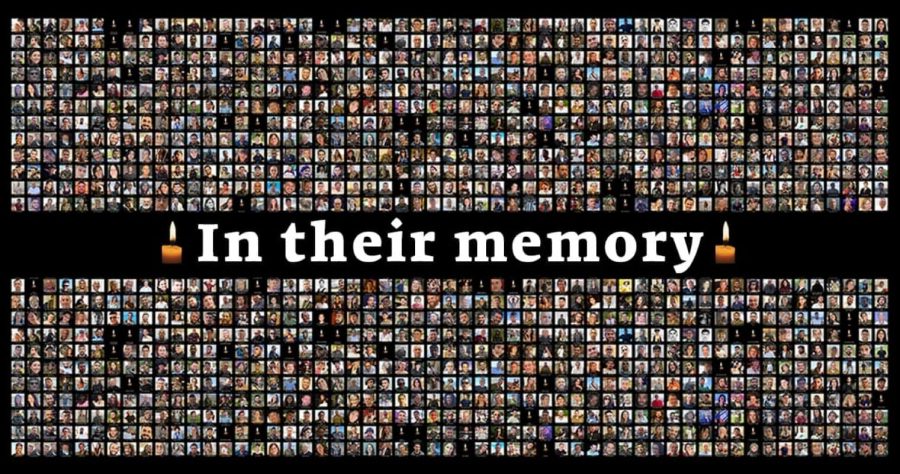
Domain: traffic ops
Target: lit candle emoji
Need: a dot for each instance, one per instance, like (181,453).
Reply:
(725,252)
(171,253)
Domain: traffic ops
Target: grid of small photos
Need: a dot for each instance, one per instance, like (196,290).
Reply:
(423,114)
(449,367)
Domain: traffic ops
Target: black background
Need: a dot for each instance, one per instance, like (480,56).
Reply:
(128,245)
(117,245)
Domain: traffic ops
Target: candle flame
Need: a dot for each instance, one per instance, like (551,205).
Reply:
(725,233)
(172,232)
